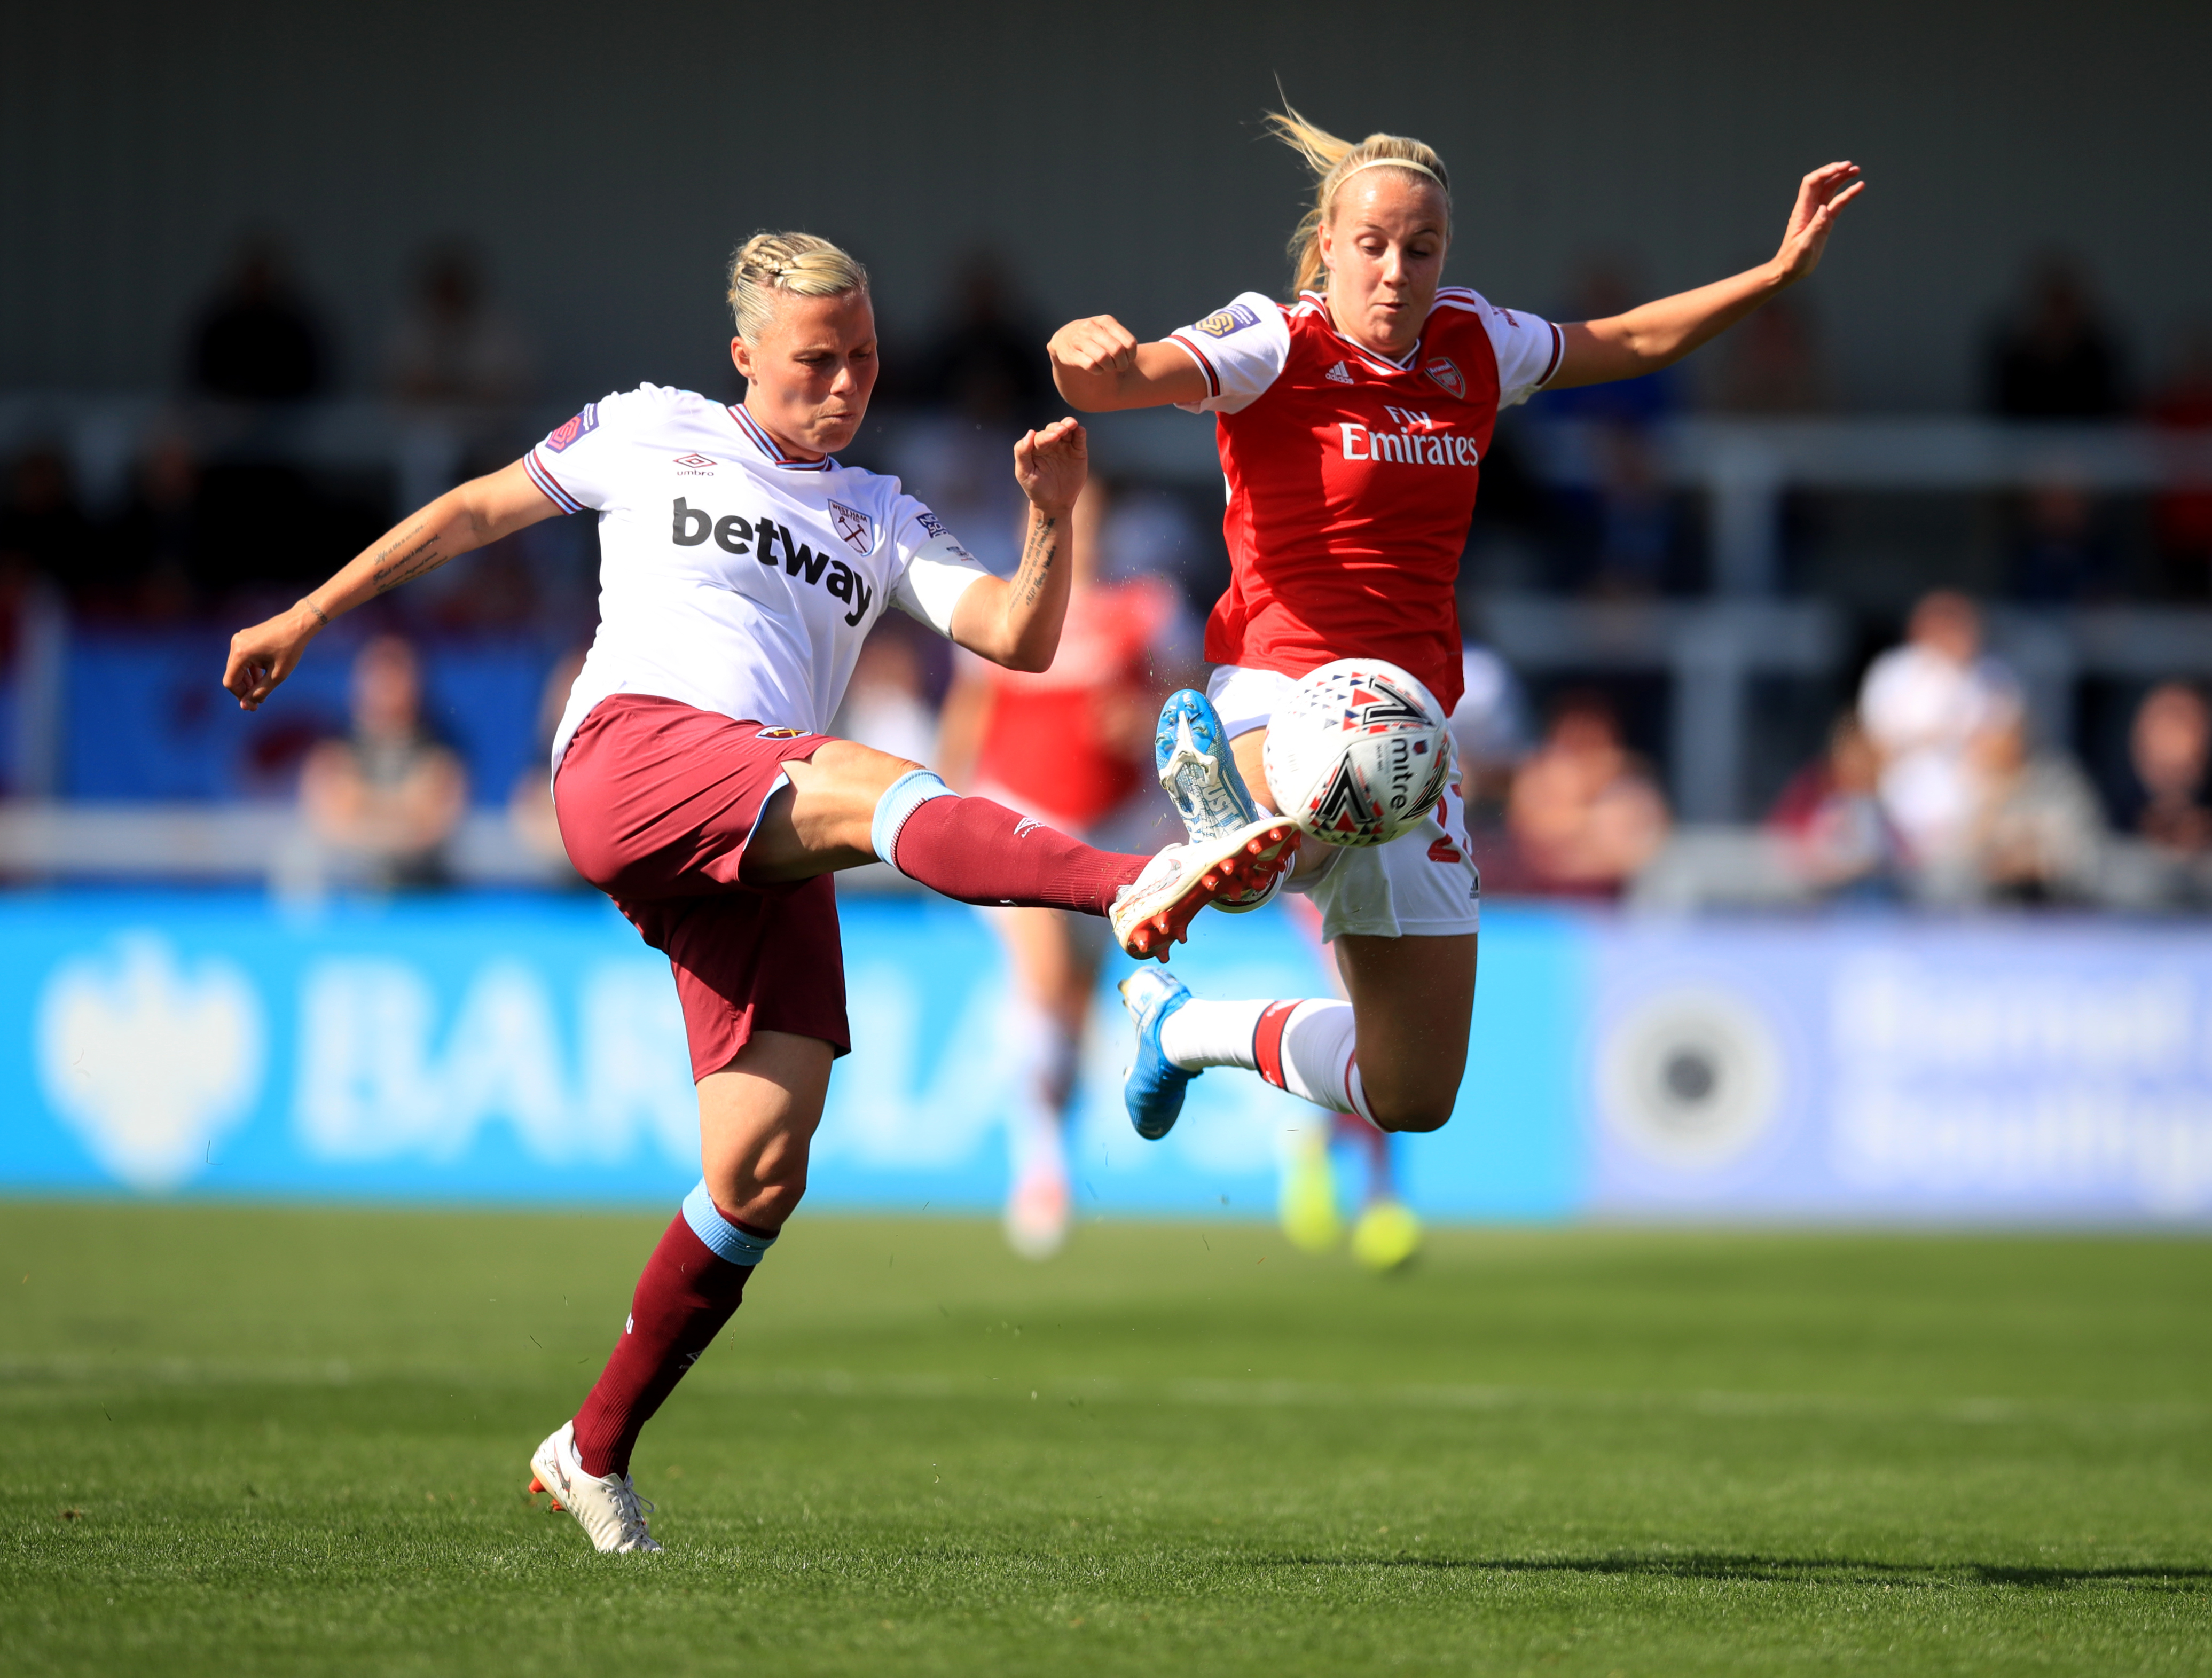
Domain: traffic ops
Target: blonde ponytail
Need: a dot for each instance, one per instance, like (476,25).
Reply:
(1334,162)
(797,263)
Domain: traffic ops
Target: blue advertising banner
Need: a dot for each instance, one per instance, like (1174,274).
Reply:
(480,1046)
(2028,1069)
(484,1046)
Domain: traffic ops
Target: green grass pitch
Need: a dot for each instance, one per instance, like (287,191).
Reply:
(246,1441)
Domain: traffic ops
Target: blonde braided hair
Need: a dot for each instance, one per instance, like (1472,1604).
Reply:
(797,263)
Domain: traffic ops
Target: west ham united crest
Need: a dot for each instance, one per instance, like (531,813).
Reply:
(1446,373)
(853,526)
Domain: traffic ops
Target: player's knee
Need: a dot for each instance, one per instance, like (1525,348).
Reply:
(1415,1114)
(762,1201)
(773,1206)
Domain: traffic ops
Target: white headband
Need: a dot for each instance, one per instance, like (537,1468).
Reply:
(1390,163)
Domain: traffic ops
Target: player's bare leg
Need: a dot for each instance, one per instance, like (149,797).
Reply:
(1393,1055)
(1412,1000)
(757,1121)
(1249,749)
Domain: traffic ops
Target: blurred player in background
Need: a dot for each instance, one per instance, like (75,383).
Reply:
(1491,736)
(742,568)
(1072,746)
(1351,424)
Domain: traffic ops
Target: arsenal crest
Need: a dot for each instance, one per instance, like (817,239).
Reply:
(1445,372)
(853,526)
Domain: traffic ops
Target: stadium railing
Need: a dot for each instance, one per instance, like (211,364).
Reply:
(1710,651)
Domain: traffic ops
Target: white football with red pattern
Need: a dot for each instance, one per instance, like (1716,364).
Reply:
(1358,754)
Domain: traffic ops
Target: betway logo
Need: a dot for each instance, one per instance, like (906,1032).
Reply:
(1420,443)
(763,537)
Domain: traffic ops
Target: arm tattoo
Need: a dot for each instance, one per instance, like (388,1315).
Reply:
(1037,555)
(401,562)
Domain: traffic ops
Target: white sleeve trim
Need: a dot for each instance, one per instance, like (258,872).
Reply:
(1241,350)
(1529,348)
(940,572)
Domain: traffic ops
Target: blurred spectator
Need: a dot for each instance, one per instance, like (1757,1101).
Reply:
(154,544)
(1773,365)
(1490,729)
(41,528)
(887,703)
(988,360)
(530,804)
(2168,747)
(1830,816)
(2039,832)
(982,381)
(387,799)
(2182,516)
(1921,705)
(2056,358)
(1622,529)
(257,341)
(453,344)
(2062,555)
(1584,815)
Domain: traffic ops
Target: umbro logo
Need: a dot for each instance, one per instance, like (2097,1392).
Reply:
(696,461)
(1340,374)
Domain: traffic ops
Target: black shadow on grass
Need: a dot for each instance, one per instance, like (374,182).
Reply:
(1825,1570)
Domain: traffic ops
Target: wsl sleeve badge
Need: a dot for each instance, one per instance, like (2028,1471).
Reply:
(569,430)
(1234,318)
(1355,754)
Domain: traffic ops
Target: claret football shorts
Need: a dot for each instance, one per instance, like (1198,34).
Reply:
(656,800)
(1422,885)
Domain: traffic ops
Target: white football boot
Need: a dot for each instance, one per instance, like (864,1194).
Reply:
(608,1508)
(1154,911)
(1198,771)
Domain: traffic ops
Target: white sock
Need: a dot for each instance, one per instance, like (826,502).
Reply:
(1211,1034)
(1306,1046)
(1315,1056)
(1044,1054)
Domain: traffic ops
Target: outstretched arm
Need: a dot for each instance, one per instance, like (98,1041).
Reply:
(1017,622)
(1098,366)
(470,516)
(1659,334)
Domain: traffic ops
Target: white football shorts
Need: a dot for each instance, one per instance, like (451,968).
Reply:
(1422,885)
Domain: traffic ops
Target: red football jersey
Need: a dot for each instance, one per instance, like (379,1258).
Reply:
(1054,737)
(1351,478)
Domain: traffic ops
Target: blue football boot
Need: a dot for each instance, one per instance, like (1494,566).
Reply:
(1154,1085)
(1198,771)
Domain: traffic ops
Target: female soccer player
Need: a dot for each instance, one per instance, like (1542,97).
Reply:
(741,568)
(1353,424)
(1072,746)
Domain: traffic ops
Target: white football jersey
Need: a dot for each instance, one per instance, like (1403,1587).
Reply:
(732,577)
